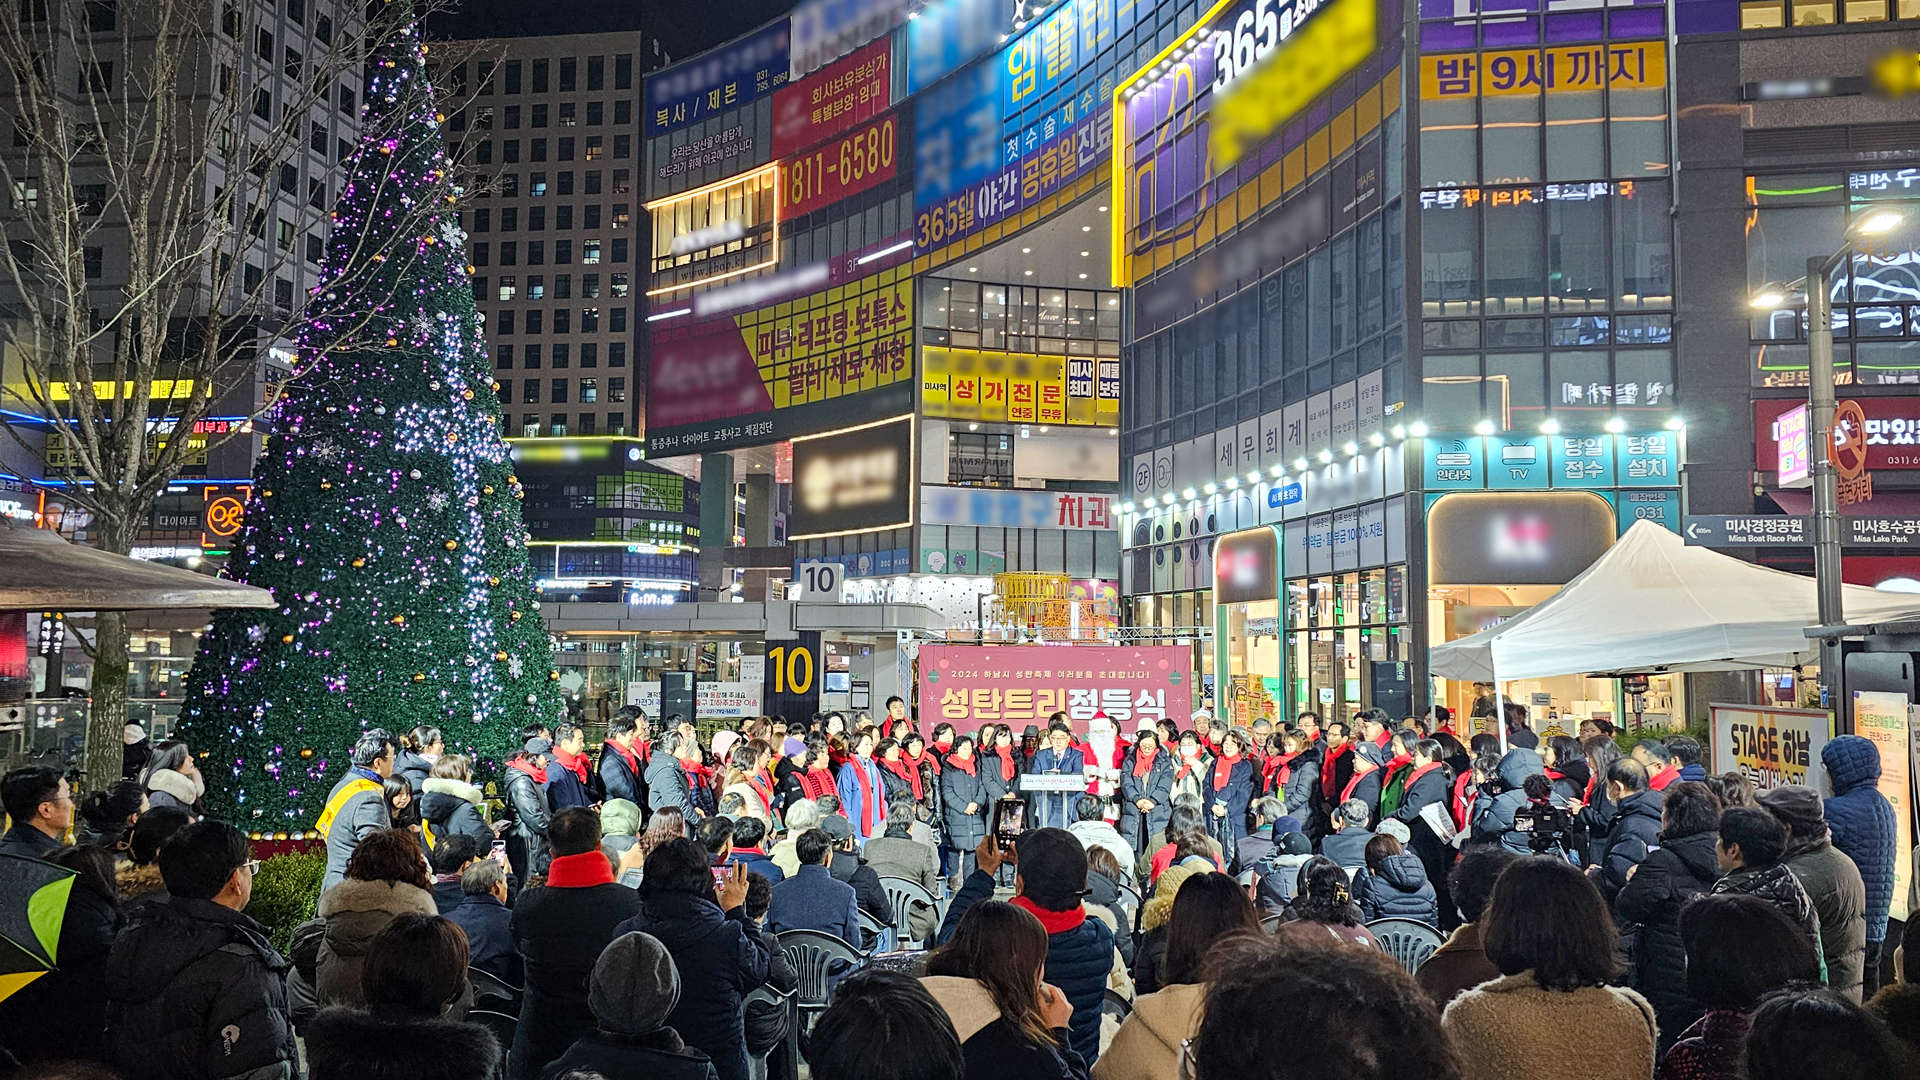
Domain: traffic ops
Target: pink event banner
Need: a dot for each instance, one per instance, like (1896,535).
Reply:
(970,685)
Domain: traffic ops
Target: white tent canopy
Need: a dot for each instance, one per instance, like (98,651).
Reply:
(1652,604)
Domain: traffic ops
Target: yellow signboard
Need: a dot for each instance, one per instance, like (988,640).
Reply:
(1560,69)
(1253,106)
(1020,388)
(833,343)
(104,391)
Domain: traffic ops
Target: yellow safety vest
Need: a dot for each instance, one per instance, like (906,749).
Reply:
(357,786)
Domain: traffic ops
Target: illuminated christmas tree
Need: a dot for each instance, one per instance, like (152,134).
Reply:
(384,513)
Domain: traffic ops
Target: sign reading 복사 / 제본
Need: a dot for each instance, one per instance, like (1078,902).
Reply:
(716,81)
(969,685)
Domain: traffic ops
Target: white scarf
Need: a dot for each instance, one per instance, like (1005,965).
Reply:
(187,789)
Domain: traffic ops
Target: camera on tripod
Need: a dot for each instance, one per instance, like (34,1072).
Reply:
(1544,823)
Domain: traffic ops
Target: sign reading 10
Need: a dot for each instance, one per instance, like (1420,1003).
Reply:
(792,669)
(852,160)
(1256,33)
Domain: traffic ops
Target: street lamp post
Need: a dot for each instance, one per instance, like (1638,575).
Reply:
(1826,480)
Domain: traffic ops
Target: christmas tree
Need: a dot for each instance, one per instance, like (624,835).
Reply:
(384,512)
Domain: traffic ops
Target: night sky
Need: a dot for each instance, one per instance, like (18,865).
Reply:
(685,26)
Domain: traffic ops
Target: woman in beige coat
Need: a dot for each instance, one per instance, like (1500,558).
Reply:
(1551,1013)
(1207,909)
(386,877)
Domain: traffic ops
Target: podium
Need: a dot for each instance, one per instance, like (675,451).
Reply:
(1054,782)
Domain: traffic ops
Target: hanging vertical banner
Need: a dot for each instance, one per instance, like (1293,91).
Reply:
(1884,718)
(790,685)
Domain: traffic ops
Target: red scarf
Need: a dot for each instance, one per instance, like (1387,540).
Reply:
(632,759)
(573,763)
(870,808)
(1279,768)
(1400,761)
(1143,760)
(905,770)
(1186,764)
(698,774)
(1053,921)
(580,871)
(1661,779)
(966,766)
(1462,798)
(1329,768)
(1223,770)
(522,764)
(1416,774)
(817,782)
(943,745)
(1347,792)
(924,757)
(762,787)
(1591,780)
(1383,740)
(1005,754)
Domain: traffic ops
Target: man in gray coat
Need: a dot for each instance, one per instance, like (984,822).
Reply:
(1832,882)
(667,787)
(357,806)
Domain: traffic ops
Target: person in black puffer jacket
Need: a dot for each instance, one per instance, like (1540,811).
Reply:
(1395,884)
(74,992)
(1635,828)
(634,988)
(1051,879)
(194,989)
(720,957)
(416,970)
(450,803)
(526,774)
(1648,908)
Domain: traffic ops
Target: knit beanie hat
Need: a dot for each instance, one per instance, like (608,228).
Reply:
(1160,908)
(1798,808)
(634,986)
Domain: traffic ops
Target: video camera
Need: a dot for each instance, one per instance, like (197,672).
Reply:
(1545,824)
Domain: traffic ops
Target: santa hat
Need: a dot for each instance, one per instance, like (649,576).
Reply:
(1100,719)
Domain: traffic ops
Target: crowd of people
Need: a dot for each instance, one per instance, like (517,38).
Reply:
(618,914)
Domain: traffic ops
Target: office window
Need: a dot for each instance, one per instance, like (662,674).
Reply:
(503,323)
(530,358)
(509,219)
(586,423)
(618,318)
(589,354)
(563,286)
(316,195)
(536,287)
(262,104)
(563,217)
(293,64)
(483,153)
(290,179)
(479,285)
(251,277)
(506,392)
(589,320)
(536,185)
(539,119)
(621,218)
(530,425)
(623,72)
(530,391)
(589,391)
(536,252)
(513,76)
(558,429)
(536,218)
(512,118)
(537,150)
(617,389)
(596,73)
(568,71)
(559,392)
(484,73)
(593,181)
(623,111)
(478,254)
(323,29)
(263,43)
(596,113)
(565,179)
(566,149)
(619,250)
(616,423)
(622,182)
(593,147)
(562,252)
(282,293)
(540,76)
(100,16)
(509,252)
(508,287)
(589,286)
(316,249)
(535,322)
(617,285)
(510,185)
(346,101)
(568,116)
(616,354)
(503,358)
(96,261)
(623,146)
(559,355)
(590,250)
(482,220)
(283,234)
(593,216)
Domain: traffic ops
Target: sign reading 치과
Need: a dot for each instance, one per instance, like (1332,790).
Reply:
(970,685)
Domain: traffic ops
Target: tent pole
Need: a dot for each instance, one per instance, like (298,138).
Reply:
(1500,710)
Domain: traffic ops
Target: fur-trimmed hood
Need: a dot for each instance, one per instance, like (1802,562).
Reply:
(966,1001)
(354,1044)
(389,897)
(459,789)
(139,882)
(186,788)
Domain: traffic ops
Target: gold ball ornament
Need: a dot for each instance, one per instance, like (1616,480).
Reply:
(453,545)
(501,655)
(286,639)
(326,485)
(513,617)
(358,563)
(493,581)
(419,676)
(553,676)
(306,752)
(487,490)
(468,394)
(399,620)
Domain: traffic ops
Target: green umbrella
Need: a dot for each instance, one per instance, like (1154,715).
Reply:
(33,904)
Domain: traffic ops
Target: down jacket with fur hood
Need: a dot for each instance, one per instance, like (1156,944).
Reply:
(353,1044)
(1147,1046)
(354,911)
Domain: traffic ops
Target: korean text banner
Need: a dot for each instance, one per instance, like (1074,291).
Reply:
(859,480)
(1560,69)
(825,30)
(948,34)
(717,81)
(1013,508)
(1893,431)
(970,685)
(842,167)
(785,370)
(1771,747)
(1019,388)
(847,93)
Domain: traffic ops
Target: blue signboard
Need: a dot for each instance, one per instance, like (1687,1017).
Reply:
(717,81)
(1517,461)
(956,135)
(1582,461)
(948,34)
(1454,462)
(1647,460)
(1285,494)
(1660,507)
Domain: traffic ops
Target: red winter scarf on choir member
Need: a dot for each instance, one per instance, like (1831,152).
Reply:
(580,871)
(1400,761)
(1330,768)
(1053,921)
(632,759)
(966,766)
(1354,782)
(539,774)
(1005,754)
(1143,760)
(817,782)
(1186,764)
(698,774)
(763,787)
(905,771)
(573,763)
(1223,770)
(870,805)
(1279,768)
(924,757)
(1415,775)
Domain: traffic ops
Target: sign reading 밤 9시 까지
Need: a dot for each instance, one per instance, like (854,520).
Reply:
(971,685)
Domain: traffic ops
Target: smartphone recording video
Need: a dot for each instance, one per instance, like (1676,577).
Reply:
(1009,821)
